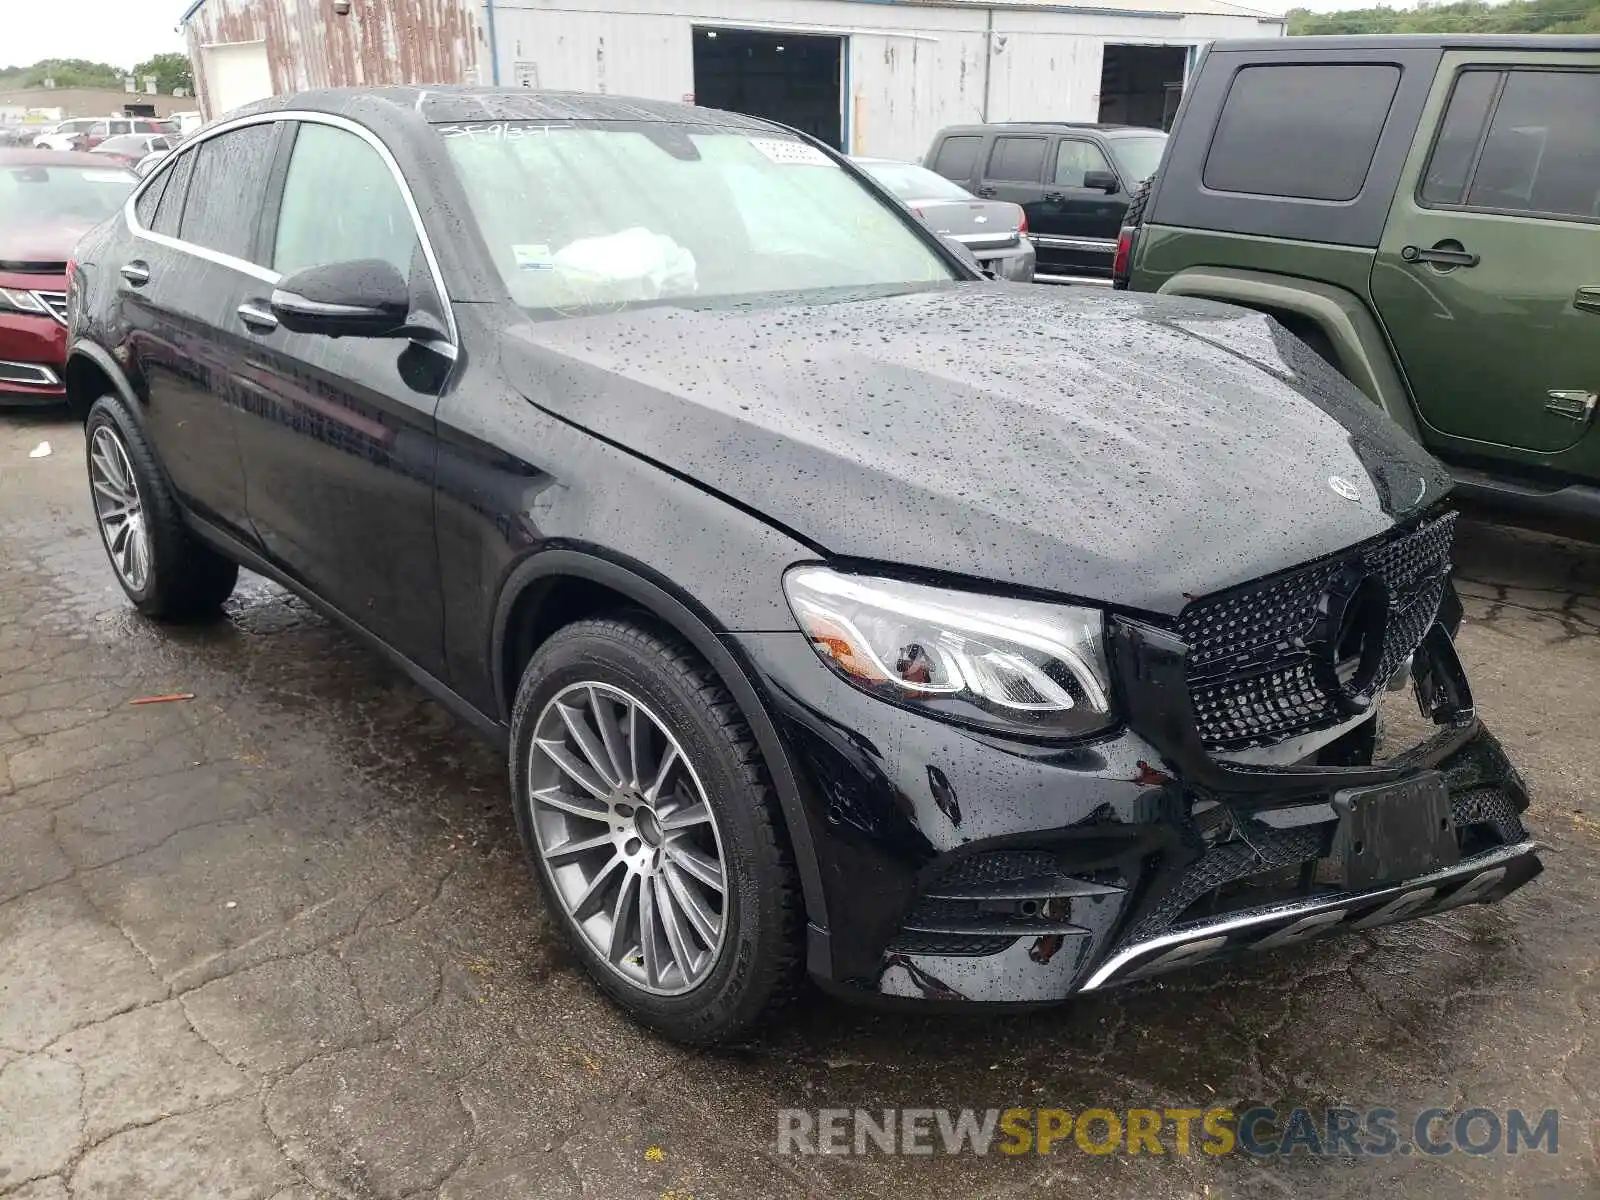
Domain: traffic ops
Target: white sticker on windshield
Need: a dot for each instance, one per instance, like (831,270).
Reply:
(108,177)
(791,153)
(533,258)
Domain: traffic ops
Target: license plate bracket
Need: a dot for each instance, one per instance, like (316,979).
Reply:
(1394,831)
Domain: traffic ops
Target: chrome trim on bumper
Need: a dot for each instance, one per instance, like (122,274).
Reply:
(1095,245)
(1223,929)
(1080,280)
(28,374)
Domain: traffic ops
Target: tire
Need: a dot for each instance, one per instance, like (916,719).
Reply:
(1137,205)
(715,987)
(177,577)
(1132,220)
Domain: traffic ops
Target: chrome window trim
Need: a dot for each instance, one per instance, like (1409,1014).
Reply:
(265,274)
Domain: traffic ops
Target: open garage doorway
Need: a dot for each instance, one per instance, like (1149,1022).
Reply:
(795,79)
(1141,85)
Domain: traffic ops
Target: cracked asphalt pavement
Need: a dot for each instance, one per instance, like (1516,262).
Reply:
(279,941)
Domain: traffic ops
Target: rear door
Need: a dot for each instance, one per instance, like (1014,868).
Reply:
(1077,226)
(191,264)
(338,435)
(1488,274)
(1014,171)
(956,157)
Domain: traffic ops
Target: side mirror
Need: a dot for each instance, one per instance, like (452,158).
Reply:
(1100,181)
(365,298)
(962,251)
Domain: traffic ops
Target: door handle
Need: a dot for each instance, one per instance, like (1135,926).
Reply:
(1587,299)
(1443,254)
(136,272)
(257,318)
(1574,405)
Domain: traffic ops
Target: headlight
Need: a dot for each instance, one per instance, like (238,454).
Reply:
(23,302)
(1018,666)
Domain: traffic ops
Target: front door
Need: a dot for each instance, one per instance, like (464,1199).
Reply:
(1488,275)
(1079,218)
(338,434)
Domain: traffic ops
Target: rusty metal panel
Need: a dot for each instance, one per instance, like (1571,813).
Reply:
(378,42)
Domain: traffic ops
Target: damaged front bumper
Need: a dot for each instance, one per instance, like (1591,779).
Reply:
(961,868)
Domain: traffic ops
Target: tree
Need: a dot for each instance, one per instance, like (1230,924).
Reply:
(1462,16)
(67,73)
(172,72)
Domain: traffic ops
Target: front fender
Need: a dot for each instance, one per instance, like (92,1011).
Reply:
(680,614)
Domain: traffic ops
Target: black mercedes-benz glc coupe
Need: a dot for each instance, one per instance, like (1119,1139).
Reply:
(841,611)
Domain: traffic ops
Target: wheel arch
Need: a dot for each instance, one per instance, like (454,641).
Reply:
(90,373)
(1358,343)
(553,587)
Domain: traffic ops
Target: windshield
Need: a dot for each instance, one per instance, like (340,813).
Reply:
(1138,157)
(911,182)
(41,195)
(582,216)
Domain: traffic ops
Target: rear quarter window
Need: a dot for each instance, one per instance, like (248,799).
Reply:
(958,156)
(1301,130)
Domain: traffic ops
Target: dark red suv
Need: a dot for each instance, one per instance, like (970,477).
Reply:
(48,199)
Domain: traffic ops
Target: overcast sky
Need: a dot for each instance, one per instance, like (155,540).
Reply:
(119,32)
(125,32)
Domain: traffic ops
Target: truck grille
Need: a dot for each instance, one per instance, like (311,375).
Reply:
(1258,672)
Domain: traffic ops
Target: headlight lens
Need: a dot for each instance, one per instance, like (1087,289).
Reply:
(23,302)
(1017,666)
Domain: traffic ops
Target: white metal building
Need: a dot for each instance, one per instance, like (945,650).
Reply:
(870,76)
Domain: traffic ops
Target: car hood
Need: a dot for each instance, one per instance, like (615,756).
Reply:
(1131,449)
(44,244)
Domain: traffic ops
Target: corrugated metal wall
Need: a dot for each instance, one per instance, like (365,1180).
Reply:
(377,42)
(914,68)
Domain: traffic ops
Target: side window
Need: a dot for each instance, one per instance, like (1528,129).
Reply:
(1302,131)
(1445,180)
(369,218)
(1543,150)
(225,190)
(1018,159)
(170,207)
(150,199)
(100,129)
(159,143)
(1075,159)
(121,127)
(958,156)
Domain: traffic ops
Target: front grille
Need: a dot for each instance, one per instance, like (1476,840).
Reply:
(56,302)
(1257,674)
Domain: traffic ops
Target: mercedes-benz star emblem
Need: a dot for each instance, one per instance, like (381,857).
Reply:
(1344,487)
(1352,633)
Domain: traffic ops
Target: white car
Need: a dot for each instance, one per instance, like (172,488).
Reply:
(96,129)
(61,135)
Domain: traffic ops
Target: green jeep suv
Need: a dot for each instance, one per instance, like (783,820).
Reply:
(1425,213)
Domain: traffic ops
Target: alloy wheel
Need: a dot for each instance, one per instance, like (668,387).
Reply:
(631,845)
(118,508)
